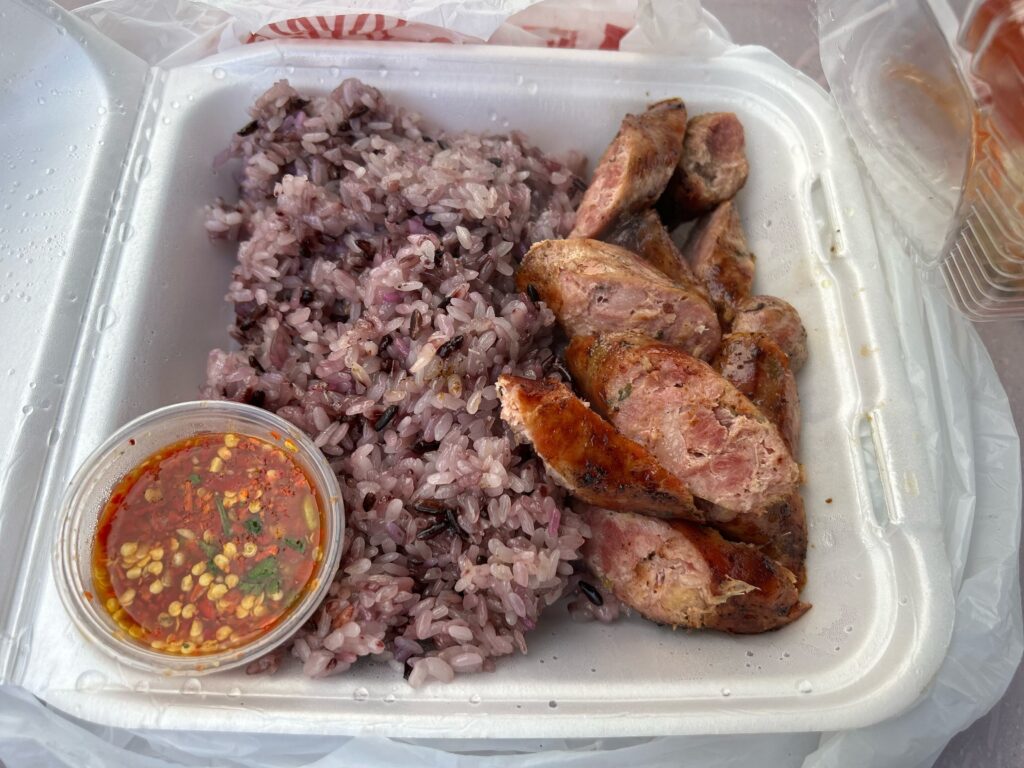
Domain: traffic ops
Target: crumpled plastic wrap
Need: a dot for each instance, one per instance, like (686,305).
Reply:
(975,448)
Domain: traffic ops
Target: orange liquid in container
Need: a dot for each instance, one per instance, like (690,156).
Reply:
(994,35)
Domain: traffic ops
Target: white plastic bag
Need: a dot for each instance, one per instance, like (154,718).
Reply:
(976,453)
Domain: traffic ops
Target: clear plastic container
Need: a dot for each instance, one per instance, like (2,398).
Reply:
(90,490)
(934,106)
(985,268)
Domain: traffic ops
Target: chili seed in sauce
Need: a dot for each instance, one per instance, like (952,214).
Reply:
(207,544)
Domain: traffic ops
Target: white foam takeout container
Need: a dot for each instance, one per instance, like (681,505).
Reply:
(135,301)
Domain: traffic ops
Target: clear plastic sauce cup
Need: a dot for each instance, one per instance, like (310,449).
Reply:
(199,625)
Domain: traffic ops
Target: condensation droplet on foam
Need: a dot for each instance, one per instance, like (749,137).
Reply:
(360,694)
(532,88)
(141,687)
(105,318)
(389,699)
(520,79)
(90,680)
(234,693)
(27,410)
(191,686)
(175,104)
(142,167)
(726,692)
(804,686)
(474,699)
(125,232)
(101,110)
(219,73)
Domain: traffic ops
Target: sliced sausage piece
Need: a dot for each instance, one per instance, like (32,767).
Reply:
(586,455)
(687,575)
(758,368)
(697,423)
(634,169)
(712,169)
(776,318)
(594,287)
(718,254)
(646,236)
(780,531)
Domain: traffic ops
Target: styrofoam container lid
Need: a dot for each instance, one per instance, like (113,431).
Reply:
(133,302)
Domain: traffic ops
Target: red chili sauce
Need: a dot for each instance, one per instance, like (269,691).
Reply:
(207,544)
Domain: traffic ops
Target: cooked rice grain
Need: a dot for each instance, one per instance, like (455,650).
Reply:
(374,309)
